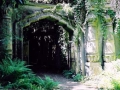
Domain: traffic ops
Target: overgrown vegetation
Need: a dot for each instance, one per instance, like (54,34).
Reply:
(70,74)
(15,74)
(79,18)
(109,79)
(48,83)
(78,77)
(116,84)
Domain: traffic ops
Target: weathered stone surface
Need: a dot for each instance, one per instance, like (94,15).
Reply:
(95,68)
(6,33)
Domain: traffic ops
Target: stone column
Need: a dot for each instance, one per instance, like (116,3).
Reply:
(19,41)
(109,49)
(93,45)
(15,40)
(6,33)
(83,56)
(78,63)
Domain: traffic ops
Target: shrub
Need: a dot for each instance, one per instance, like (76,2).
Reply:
(109,79)
(10,71)
(15,74)
(48,83)
(116,84)
(71,74)
(68,73)
(78,77)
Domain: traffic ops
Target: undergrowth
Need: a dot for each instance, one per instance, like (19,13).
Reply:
(116,84)
(70,74)
(109,79)
(15,74)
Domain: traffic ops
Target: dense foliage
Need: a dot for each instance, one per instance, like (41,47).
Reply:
(15,74)
(12,3)
(70,74)
(109,79)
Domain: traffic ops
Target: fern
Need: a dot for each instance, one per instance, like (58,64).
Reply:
(78,77)
(15,74)
(49,84)
(12,70)
(68,73)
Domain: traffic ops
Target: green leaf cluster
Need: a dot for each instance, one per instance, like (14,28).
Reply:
(98,9)
(70,74)
(79,18)
(13,3)
(15,74)
(48,83)
(78,77)
(116,84)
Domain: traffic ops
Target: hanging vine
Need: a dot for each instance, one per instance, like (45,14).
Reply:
(98,9)
(79,17)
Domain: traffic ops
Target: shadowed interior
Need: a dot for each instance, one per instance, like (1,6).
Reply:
(42,46)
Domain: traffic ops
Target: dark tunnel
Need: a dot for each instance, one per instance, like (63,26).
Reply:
(42,47)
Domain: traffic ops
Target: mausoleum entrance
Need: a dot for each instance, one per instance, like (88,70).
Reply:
(43,46)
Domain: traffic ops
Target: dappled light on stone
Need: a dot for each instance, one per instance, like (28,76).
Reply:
(78,39)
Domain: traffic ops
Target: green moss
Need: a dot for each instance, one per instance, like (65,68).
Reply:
(45,6)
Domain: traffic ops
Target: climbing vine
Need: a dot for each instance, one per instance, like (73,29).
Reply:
(79,17)
(100,13)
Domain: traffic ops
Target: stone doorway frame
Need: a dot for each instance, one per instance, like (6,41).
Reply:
(37,16)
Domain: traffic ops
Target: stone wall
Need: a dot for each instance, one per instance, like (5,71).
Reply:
(93,44)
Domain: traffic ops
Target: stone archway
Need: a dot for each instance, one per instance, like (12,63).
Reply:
(43,46)
(18,50)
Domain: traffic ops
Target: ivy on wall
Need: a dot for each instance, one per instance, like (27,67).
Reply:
(101,17)
(79,17)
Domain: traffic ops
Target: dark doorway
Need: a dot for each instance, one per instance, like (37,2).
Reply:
(42,46)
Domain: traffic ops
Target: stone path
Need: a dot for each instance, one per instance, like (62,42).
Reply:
(67,84)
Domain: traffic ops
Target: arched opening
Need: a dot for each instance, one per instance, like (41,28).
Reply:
(44,45)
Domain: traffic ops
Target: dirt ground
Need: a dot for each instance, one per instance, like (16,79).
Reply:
(68,84)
